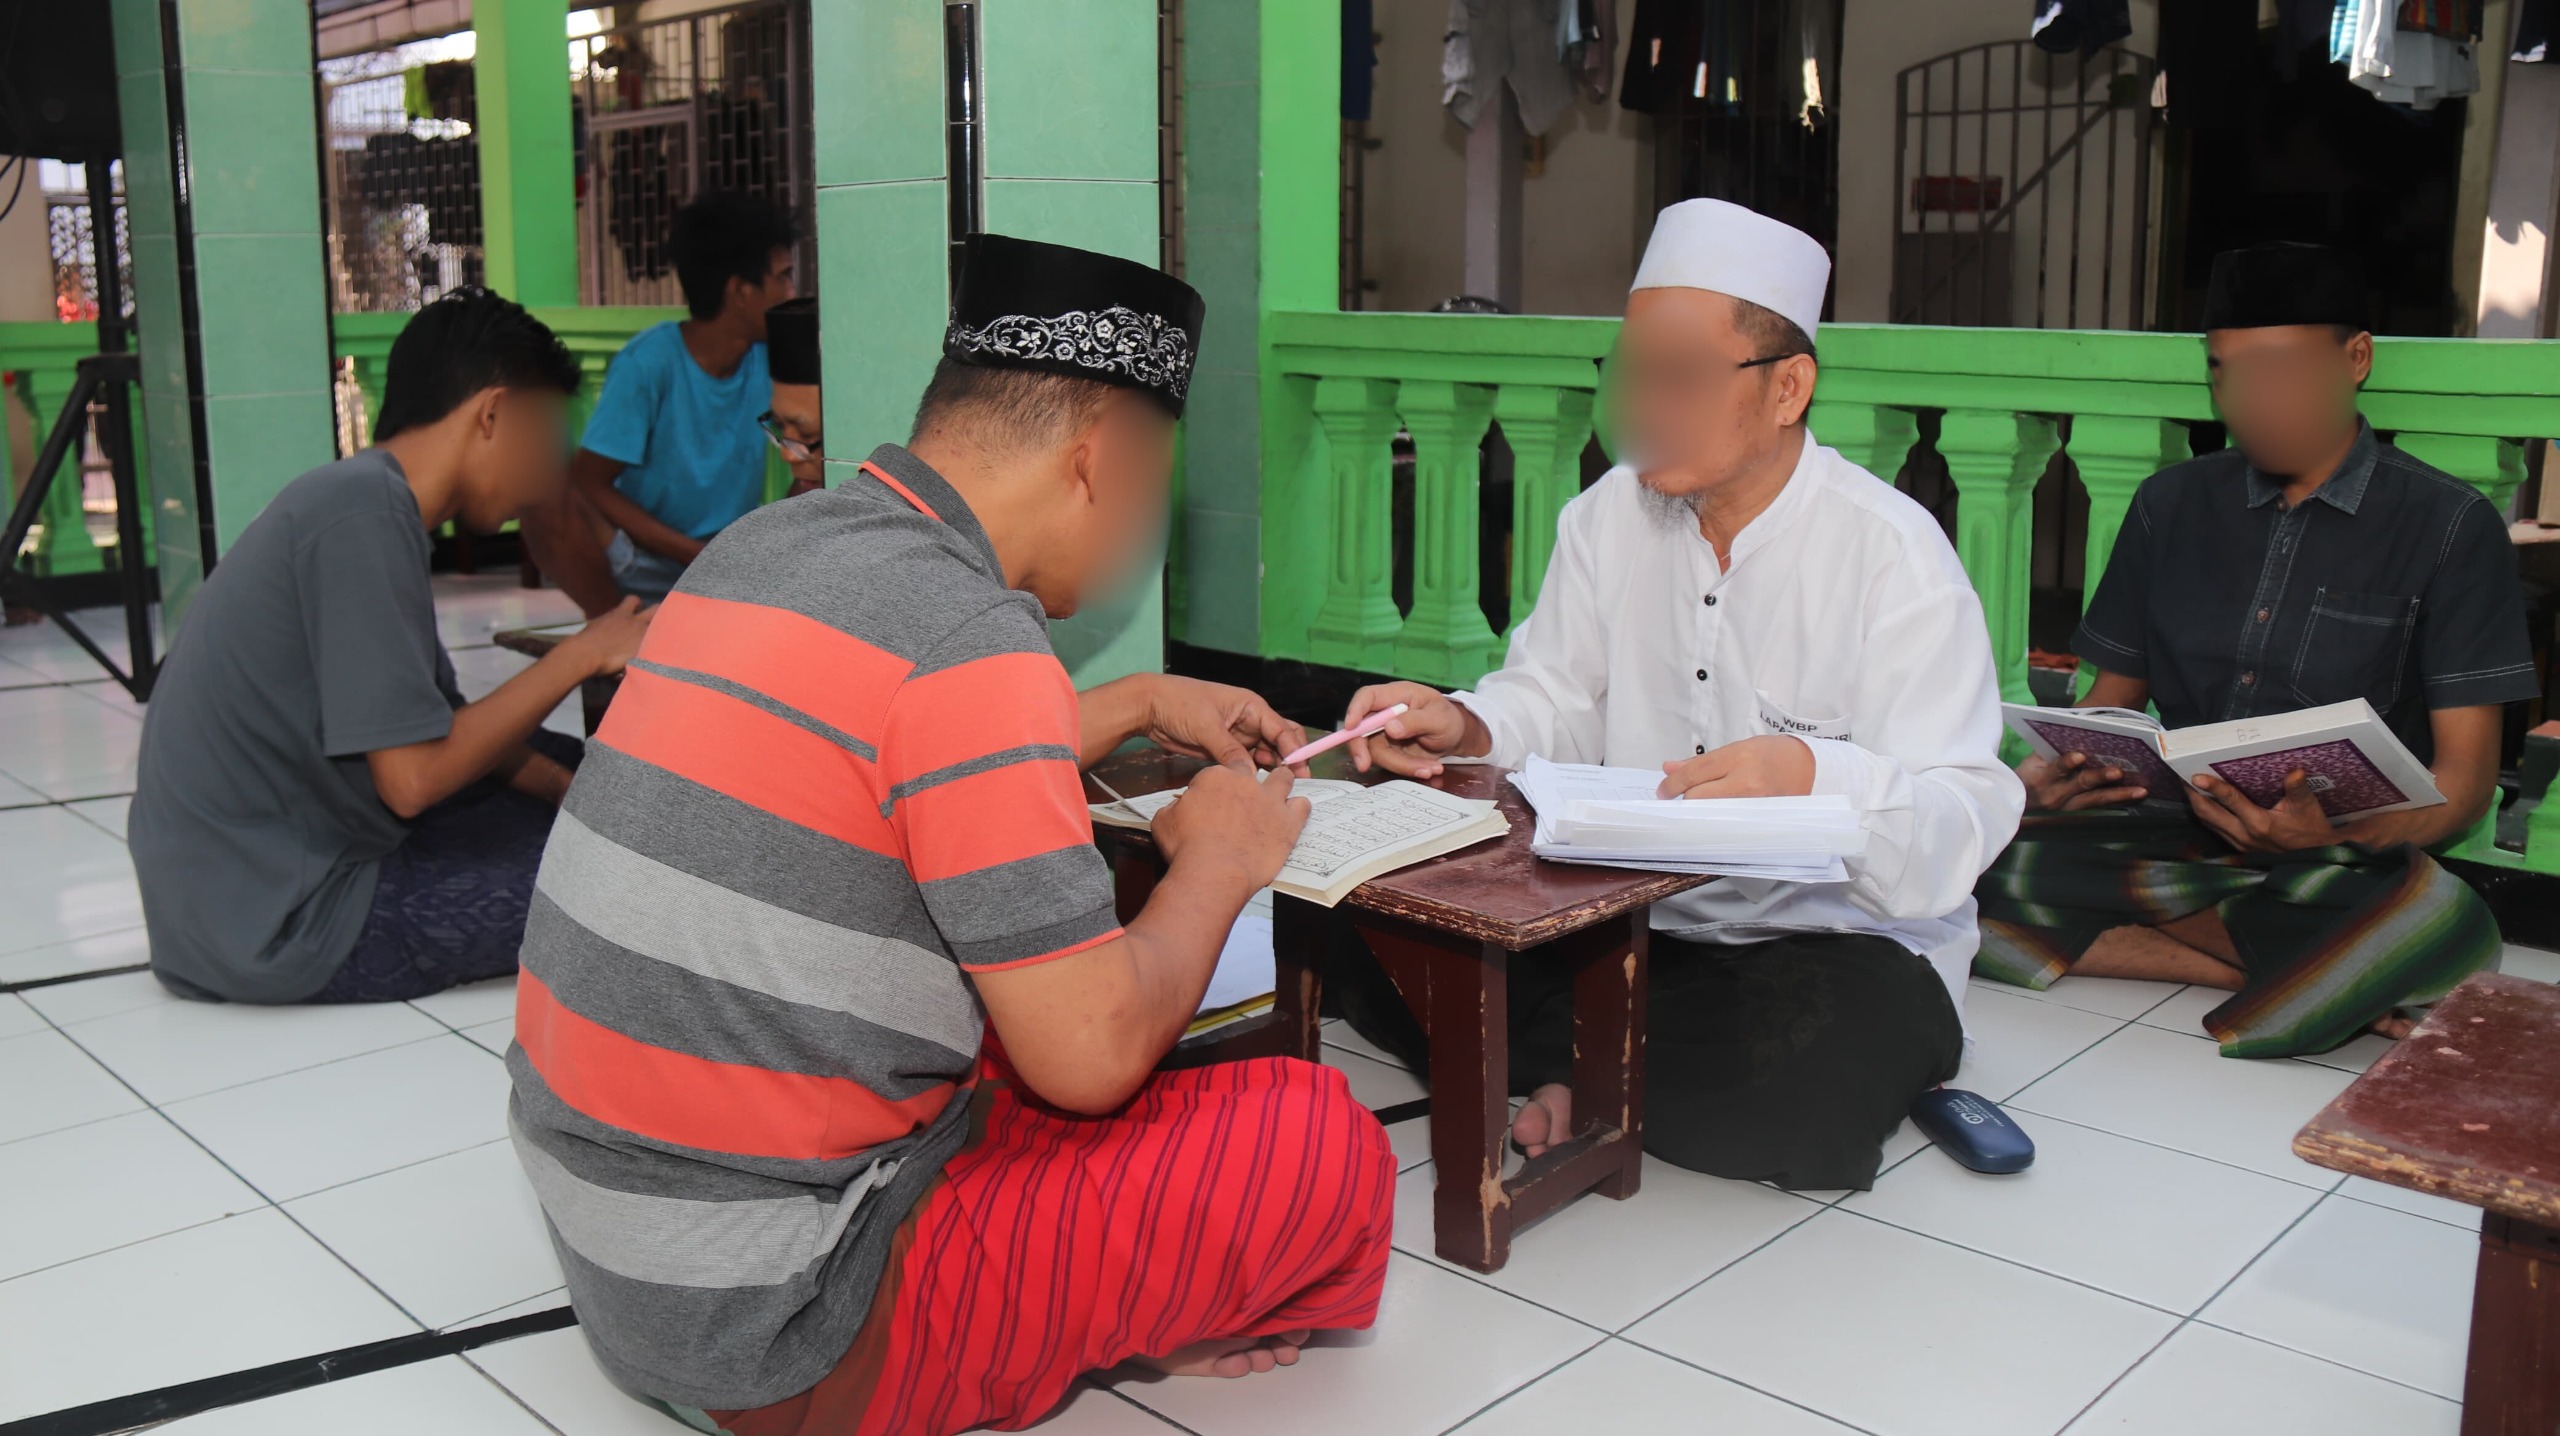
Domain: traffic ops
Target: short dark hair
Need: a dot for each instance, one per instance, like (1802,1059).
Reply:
(462,343)
(725,235)
(1008,408)
(1772,335)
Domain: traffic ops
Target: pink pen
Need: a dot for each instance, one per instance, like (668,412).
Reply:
(1362,729)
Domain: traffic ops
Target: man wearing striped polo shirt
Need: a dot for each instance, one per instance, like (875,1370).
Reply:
(834,1069)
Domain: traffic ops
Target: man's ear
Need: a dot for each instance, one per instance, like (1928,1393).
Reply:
(1795,376)
(2360,358)
(484,411)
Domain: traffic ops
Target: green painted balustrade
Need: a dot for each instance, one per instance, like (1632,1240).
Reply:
(39,357)
(593,334)
(1341,386)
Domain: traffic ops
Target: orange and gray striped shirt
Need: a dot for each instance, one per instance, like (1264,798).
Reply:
(839,777)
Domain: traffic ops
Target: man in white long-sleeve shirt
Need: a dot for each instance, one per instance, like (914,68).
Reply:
(1755,615)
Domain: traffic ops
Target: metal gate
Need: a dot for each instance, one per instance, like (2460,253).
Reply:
(402,175)
(2023,189)
(668,109)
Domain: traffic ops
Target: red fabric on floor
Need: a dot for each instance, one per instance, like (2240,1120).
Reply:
(1237,1200)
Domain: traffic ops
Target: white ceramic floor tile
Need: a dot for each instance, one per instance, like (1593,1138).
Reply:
(295,1134)
(447,1238)
(2183,1012)
(107,813)
(1338,1033)
(241,1292)
(17,1018)
(111,693)
(2120,998)
(2143,1222)
(51,654)
(2207,1382)
(431,1398)
(1411,1139)
(1894,1332)
(14,794)
(101,953)
(2415,1203)
(91,997)
(493,1035)
(1624,1390)
(2371,1288)
(472,1004)
(60,878)
(554,1374)
(2182,1093)
(47,1083)
(1442,1349)
(1609,1262)
(1375,1083)
(175,1050)
(81,1190)
(66,745)
(550,1300)
(2532,962)
(1093,1411)
(2017,1040)
(14,674)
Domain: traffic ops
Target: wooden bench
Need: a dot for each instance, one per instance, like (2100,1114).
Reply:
(1447,931)
(2468,1107)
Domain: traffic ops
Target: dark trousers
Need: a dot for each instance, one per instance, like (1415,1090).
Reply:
(450,904)
(1788,1061)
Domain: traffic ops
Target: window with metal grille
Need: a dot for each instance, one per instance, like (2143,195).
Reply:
(65,188)
(667,109)
(402,174)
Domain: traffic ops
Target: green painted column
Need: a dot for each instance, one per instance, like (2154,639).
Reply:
(1356,627)
(1445,638)
(2114,455)
(1072,158)
(883,271)
(230,289)
(528,169)
(1546,429)
(1995,459)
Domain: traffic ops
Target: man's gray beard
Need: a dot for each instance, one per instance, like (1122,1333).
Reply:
(1671,511)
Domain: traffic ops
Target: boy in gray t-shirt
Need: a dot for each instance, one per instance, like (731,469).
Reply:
(319,815)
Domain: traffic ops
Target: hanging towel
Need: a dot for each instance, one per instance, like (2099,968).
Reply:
(2088,26)
(1493,42)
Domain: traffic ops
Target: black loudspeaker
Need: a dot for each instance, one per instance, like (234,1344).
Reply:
(57,80)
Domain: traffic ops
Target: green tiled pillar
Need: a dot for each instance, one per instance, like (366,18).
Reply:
(230,293)
(1071,158)
(883,270)
(528,174)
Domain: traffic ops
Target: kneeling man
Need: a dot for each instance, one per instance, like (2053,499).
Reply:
(834,1067)
(1755,615)
(2309,563)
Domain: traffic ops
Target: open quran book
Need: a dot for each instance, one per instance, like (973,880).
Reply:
(2352,762)
(1354,831)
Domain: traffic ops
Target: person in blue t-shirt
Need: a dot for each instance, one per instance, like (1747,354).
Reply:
(673,452)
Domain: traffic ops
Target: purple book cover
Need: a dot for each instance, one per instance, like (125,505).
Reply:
(2137,757)
(2345,780)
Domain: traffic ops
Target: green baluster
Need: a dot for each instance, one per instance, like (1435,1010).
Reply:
(2493,466)
(369,369)
(65,548)
(1875,437)
(1547,429)
(1995,460)
(1445,637)
(1357,625)
(2114,454)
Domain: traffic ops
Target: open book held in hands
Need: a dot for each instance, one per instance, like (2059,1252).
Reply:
(1611,817)
(2353,763)
(1354,831)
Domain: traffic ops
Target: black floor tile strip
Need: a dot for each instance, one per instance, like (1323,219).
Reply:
(1396,1112)
(33,983)
(188,1398)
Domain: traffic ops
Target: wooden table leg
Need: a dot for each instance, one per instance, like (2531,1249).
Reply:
(1609,985)
(2513,1385)
(1461,991)
(1297,939)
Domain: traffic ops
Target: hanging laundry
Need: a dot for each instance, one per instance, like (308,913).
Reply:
(2535,21)
(2453,19)
(1587,41)
(1814,26)
(1359,58)
(1495,42)
(1684,53)
(2088,26)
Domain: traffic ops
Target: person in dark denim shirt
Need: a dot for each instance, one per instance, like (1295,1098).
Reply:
(2308,564)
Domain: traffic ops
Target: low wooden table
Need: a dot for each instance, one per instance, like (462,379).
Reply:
(594,695)
(1447,931)
(2468,1107)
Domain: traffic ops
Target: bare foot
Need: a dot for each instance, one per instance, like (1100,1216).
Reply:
(1544,1120)
(2393,1025)
(1229,1356)
(2148,953)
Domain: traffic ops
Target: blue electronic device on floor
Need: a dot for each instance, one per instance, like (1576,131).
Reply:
(1973,1130)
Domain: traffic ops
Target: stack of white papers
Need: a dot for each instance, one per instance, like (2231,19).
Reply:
(1610,817)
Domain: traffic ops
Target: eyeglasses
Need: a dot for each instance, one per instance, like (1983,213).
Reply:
(796,450)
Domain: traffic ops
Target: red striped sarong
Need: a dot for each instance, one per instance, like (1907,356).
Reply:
(1242,1199)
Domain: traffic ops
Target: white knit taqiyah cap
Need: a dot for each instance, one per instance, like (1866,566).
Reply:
(1709,244)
